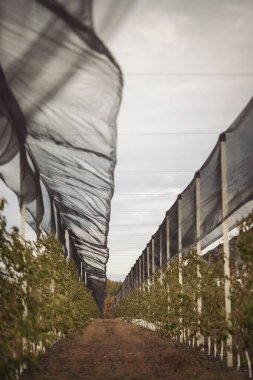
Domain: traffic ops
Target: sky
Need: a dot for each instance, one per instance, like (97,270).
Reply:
(187,68)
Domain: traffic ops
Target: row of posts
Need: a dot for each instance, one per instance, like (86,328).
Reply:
(137,273)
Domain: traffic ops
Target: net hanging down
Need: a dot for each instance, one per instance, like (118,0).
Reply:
(60,95)
(198,212)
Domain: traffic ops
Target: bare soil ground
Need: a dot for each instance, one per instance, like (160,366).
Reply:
(111,350)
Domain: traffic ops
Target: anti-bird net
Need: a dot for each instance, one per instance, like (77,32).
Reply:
(238,176)
(60,94)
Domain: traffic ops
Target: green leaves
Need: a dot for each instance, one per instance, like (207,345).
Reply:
(174,307)
(41,298)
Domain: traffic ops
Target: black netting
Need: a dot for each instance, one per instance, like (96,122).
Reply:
(156,238)
(145,263)
(60,93)
(210,193)
(132,277)
(137,271)
(140,269)
(135,282)
(239,139)
(149,255)
(189,216)
(238,144)
(173,228)
(164,241)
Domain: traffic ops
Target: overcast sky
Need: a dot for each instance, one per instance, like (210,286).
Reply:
(187,68)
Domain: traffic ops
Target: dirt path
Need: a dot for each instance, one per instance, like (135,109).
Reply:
(111,349)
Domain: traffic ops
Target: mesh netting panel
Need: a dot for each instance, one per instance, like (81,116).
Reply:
(135,281)
(210,193)
(237,182)
(173,228)
(189,216)
(137,271)
(144,253)
(140,269)
(239,139)
(132,277)
(156,238)
(149,255)
(60,94)
(164,242)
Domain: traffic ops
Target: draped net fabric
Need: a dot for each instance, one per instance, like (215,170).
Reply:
(60,95)
(238,139)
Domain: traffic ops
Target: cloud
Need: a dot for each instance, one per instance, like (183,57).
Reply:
(154,40)
(184,36)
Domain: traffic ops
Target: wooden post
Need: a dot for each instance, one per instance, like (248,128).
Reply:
(140,270)
(22,210)
(57,227)
(22,234)
(153,254)
(198,247)
(68,244)
(161,247)
(180,276)
(126,282)
(123,289)
(143,267)
(168,252)
(224,190)
(168,237)
(81,271)
(180,237)
(23,217)
(37,223)
(134,276)
(148,260)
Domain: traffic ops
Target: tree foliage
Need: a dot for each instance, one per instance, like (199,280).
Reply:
(173,306)
(41,298)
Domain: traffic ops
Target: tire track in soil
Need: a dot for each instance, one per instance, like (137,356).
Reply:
(112,350)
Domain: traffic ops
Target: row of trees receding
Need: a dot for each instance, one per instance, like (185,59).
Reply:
(41,298)
(193,310)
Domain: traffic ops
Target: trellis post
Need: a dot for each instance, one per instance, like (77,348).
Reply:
(140,270)
(161,247)
(143,267)
(37,223)
(148,259)
(153,254)
(168,237)
(68,244)
(180,275)
(23,210)
(81,271)
(22,234)
(57,222)
(224,191)
(198,248)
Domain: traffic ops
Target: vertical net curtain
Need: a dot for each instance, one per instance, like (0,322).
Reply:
(239,175)
(60,91)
